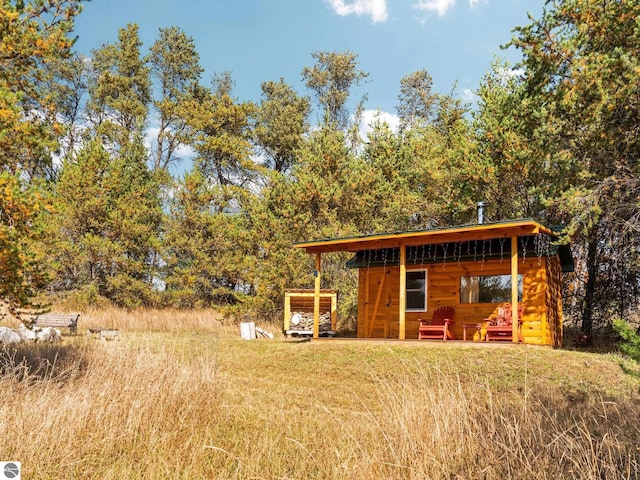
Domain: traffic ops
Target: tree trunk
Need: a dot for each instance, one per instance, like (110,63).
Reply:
(590,287)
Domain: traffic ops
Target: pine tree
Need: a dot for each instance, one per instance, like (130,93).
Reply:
(282,120)
(119,89)
(218,129)
(175,66)
(332,79)
(34,35)
(109,219)
(207,260)
(581,96)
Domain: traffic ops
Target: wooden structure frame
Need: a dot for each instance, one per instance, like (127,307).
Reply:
(515,248)
(304,300)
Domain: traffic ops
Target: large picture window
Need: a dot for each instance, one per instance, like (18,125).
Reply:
(488,289)
(416,290)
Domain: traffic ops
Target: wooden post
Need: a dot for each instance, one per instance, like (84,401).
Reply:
(287,311)
(365,328)
(316,299)
(403,292)
(334,312)
(514,290)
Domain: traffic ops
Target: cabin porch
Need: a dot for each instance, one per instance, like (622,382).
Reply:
(404,277)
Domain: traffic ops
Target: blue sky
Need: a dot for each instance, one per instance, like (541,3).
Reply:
(260,40)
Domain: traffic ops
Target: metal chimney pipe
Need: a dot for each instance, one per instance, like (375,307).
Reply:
(481,206)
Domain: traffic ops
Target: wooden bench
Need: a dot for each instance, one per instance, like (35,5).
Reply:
(69,320)
(104,333)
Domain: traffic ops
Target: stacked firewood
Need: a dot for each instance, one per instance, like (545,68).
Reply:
(303,321)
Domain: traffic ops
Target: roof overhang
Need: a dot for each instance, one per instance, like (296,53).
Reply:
(485,231)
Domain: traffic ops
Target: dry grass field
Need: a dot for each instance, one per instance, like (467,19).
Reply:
(181,396)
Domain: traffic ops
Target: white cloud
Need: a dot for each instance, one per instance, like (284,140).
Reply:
(505,73)
(442,7)
(374,116)
(377,9)
(469,95)
(371,117)
(439,7)
(515,72)
(150,139)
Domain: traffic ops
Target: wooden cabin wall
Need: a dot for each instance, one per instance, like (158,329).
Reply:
(376,317)
(378,308)
(534,295)
(554,302)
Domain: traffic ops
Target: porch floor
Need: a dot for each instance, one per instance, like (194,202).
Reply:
(415,342)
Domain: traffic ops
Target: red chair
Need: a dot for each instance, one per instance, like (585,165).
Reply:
(439,327)
(501,328)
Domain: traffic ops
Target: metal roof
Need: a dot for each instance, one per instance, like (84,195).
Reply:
(484,231)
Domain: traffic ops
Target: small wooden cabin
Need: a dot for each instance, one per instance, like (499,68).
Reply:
(404,277)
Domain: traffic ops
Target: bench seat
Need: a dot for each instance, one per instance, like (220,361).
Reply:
(68,320)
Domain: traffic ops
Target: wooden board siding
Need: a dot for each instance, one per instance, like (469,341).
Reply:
(554,302)
(534,312)
(377,317)
(443,289)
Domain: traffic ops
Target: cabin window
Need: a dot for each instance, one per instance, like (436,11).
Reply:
(488,289)
(416,291)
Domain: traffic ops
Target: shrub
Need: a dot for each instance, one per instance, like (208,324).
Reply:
(630,340)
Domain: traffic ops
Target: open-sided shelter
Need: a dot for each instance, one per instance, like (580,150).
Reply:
(405,276)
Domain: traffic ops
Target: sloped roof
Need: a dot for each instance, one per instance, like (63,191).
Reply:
(459,233)
(484,231)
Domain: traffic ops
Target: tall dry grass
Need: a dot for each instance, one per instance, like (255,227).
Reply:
(196,402)
(148,320)
(113,411)
(437,425)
